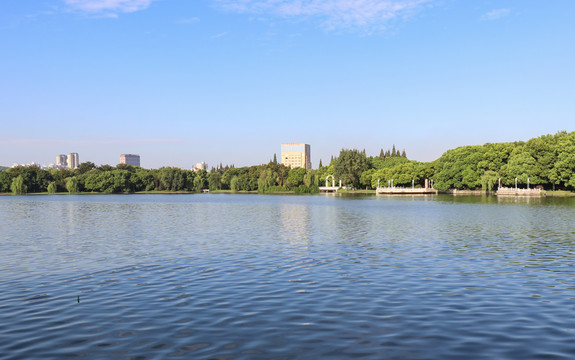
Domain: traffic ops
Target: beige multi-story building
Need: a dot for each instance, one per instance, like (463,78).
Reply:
(130,159)
(73,160)
(296,155)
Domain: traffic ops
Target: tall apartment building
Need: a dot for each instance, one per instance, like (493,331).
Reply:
(73,160)
(62,160)
(296,155)
(130,159)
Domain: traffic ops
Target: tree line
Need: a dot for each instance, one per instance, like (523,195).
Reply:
(128,179)
(548,161)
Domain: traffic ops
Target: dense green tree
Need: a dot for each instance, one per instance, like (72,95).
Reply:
(201,180)
(488,180)
(52,188)
(72,184)
(18,187)
(522,165)
(143,180)
(457,168)
(60,176)
(399,170)
(126,167)
(175,179)
(227,177)
(100,181)
(310,179)
(85,167)
(214,181)
(295,177)
(35,179)
(349,166)
(366,178)
(122,181)
(106,167)
(234,183)
(5,181)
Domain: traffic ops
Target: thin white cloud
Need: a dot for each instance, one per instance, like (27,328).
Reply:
(496,14)
(332,14)
(108,6)
(219,35)
(190,20)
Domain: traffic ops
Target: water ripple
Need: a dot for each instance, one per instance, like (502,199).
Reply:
(284,277)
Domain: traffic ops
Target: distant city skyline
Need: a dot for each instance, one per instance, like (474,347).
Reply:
(182,82)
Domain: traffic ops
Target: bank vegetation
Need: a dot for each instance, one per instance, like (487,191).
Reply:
(547,161)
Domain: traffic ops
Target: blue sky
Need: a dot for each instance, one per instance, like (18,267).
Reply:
(228,81)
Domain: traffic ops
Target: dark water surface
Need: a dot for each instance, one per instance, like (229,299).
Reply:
(286,277)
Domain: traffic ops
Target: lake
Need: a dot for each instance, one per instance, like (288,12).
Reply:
(230,276)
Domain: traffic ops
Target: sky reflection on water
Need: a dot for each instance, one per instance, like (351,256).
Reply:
(286,277)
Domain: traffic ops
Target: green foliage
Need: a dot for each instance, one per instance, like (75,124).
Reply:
(457,168)
(215,181)
(310,178)
(488,180)
(323,172)
(401,171)
(35,179)
(234,184)
(201,180)
(548,160)
(367,178)
(175,179)
(85,167)
(100,181)
(5,181)
(52,188)
(122,181)
(295,177)
(349,166)
(18,187)
(72,184)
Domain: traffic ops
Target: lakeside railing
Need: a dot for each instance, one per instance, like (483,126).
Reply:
(404,190)
(511,191)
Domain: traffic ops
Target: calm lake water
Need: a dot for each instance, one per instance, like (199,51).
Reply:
(220,276)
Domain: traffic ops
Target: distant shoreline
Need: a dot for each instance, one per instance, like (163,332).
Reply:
(550,193)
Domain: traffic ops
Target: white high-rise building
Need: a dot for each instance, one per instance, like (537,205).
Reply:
(73,160)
